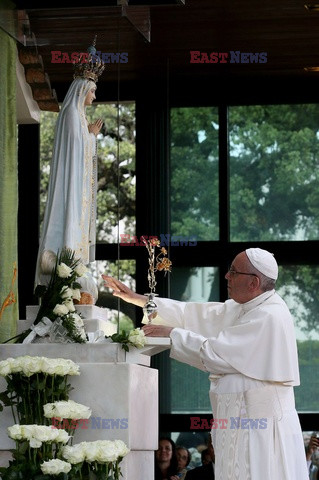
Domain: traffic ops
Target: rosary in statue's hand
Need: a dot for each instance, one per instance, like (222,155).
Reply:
(96,126)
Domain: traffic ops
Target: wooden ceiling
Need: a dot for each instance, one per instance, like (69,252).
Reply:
(285,30)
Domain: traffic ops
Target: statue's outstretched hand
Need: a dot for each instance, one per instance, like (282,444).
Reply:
(122,291)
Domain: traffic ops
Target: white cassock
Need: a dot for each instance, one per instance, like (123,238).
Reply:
(251,354)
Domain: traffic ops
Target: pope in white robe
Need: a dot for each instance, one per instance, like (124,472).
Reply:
(248,347)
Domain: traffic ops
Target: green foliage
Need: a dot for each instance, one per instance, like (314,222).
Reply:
(274,178)
(274,153)
(194,172)
(122,338)
(307,394)
(299,286)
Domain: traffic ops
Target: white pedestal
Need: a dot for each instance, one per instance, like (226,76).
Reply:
(95,318)
(122,394)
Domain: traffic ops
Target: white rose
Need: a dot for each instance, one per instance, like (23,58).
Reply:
(49,410)
(15,432)
(44,433)
(27,431)
(92,452)
(137,337)
(60,309)
(31,365)
(62,436)
(35,443)
(60,366)
(66,292)
(121,448)
(66,409)
(69,305)
(5,367)
(55,467)
(107,451)
(80,269)
(64,271)
(76,294)
(74,454)
(16,364)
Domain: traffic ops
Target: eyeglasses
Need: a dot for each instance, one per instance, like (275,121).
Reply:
(231,271)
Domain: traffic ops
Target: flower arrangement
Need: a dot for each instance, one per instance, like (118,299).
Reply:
(135,338)
(33,382)
(41,451)
(159,262)
(57,316)
(101,457)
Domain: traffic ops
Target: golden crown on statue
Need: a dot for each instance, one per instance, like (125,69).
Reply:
(89,65)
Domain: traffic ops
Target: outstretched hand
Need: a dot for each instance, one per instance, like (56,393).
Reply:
(151,330)
(96,126)
(122,291)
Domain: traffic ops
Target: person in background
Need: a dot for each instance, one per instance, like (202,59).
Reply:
(206,471)
(310,450)
(183,458)
(165,460)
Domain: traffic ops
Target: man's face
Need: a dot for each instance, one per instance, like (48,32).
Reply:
(240,284)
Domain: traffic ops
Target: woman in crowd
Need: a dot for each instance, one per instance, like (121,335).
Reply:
(165,460)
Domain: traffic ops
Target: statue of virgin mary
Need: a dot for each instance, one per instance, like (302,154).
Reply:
(70,214)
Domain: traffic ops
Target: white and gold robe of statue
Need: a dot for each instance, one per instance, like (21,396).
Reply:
(250,353)
(70,213)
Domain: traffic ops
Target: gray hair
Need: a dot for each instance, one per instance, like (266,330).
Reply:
(266,283)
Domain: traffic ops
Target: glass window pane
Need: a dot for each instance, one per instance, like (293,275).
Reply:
(299,286)
(194,172)
(199,284)
(116,170)
(274,176)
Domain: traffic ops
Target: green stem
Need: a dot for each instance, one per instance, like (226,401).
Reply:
(12,410)
(52,388)
(39,415)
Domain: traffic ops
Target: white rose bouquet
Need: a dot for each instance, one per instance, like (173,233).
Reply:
(102,457)
(33,382)
(57,303)
(134,338)
(36,449)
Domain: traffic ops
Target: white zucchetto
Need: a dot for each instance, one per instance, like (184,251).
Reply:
(264,261)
